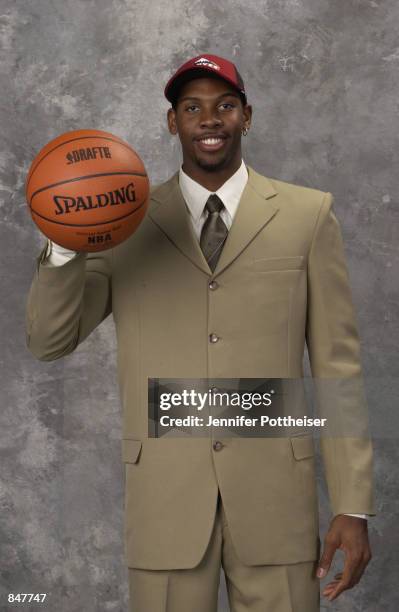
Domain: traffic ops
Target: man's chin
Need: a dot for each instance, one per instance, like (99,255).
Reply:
(211,165)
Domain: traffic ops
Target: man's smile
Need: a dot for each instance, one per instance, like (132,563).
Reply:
(210,143)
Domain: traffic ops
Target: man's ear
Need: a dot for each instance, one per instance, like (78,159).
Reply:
(172,121)
(247,112)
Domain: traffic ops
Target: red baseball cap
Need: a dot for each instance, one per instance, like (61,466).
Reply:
(205,65)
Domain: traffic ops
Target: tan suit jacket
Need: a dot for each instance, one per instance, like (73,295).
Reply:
(282,282)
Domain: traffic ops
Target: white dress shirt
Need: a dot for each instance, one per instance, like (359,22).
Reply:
(195,196)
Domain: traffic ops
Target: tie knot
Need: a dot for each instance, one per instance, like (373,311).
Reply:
(214,204)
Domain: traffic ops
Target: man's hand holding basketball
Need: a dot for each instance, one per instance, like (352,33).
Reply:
(349,534)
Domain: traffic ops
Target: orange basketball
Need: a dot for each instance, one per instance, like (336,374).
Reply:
(87,190)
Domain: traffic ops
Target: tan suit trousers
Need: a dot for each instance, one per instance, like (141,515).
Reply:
(265,588)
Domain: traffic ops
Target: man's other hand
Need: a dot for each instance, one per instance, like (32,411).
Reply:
(349,534)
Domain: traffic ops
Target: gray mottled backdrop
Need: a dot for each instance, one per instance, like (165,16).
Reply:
(323,80)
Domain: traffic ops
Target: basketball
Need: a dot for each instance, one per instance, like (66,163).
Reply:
(87,190)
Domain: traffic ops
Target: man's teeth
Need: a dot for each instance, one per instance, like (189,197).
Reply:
(211,141)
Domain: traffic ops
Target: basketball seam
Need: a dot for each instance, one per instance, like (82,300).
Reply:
(73,140)
(90,224)
(80,178)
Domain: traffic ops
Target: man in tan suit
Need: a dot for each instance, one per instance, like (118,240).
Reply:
(229,275)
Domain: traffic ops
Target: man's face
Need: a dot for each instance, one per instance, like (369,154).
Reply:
(209,119)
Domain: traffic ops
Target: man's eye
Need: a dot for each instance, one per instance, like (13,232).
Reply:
(225,106)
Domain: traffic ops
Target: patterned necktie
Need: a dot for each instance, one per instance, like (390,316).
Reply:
(214,231)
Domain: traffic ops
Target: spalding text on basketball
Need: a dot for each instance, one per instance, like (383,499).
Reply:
(67,204)
(78,155)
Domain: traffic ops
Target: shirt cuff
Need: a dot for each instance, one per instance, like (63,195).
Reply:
(363,516)
(57,255)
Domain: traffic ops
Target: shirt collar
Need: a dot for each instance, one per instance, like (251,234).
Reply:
(195,195)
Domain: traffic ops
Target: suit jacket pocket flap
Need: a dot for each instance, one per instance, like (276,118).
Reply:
(271,264)
(302,447)
(131,450)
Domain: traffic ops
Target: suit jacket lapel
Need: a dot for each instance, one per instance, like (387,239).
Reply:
(169,212)
(171,215)
(254,211)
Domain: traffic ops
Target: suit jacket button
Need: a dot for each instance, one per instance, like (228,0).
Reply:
(213,285)
(213,338)
(217,446)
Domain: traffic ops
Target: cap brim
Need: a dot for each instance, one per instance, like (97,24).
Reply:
(172,92)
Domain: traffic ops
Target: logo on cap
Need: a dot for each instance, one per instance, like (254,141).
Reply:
(203,61)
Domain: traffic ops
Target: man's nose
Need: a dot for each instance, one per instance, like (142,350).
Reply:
(210,118)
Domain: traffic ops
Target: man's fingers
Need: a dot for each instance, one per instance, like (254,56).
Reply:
(330,586)
(333,583)
(365,559)
(357,565)
(349,534)
(353,569)
(330,546)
